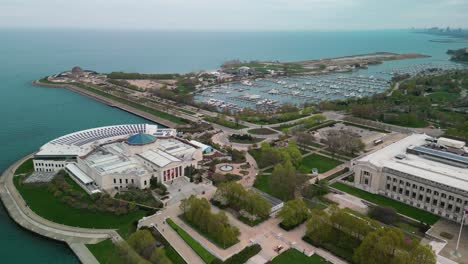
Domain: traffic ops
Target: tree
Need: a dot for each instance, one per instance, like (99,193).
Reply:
(293,153)
(143,242)
(420,254)
(318,227)
(256,204)
(159,257)
(379,246)
(216,226)
(283,181)
(218,178)
(239,198)
(386,215)
(128,255)
(343,141)
(294,212)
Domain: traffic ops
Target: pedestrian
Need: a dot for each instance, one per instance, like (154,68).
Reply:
(163,230)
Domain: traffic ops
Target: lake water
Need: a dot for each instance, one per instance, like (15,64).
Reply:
(30,116)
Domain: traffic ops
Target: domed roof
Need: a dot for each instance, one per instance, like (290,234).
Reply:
(77,69)
(141,139)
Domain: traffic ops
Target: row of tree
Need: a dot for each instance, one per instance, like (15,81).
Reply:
(234,195)
(141,248)
(293,213)
(216,226)
(370,242)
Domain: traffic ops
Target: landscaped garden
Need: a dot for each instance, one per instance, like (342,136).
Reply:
(204,254)
(213,226)
(244,139)
(401,208)
(248,205)
(65,202)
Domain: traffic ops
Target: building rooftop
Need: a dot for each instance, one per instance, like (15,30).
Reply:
(77,172)
(158,157)
(83,142)
(141,139)
(418,165)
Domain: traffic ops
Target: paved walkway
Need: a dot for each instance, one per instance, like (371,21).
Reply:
(452,228)
(83,252)
(268,234)
(25,217)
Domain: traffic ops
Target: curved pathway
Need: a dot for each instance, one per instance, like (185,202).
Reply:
(25,217)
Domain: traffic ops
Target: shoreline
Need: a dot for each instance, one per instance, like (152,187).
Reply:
(27,219)
(109,102)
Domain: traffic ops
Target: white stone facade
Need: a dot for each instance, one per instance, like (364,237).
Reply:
(415,180)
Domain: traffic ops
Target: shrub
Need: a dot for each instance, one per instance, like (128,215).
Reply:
(386,215)
(244,255)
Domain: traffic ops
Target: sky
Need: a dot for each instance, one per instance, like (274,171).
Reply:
(234,14)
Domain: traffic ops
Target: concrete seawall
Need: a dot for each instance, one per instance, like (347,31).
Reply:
(18,210)
(110,102)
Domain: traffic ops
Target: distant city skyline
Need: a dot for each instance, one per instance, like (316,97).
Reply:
(234,15)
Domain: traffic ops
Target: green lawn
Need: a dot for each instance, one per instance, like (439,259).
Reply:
(151,111)
(262,183)
(293,256)
(322,163)
(285,127)
(401,208)
(26,167)
(261,131)
(439,97)
(43,203)
(206,256)
(105,252)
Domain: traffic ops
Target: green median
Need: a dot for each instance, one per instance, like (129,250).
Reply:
(206,256)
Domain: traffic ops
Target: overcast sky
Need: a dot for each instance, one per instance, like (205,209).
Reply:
(233,14)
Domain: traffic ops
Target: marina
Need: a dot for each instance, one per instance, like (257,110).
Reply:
(269,93)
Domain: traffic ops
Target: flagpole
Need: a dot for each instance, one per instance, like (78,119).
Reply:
(456,253)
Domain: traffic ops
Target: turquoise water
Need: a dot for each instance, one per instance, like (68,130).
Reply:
(30,116)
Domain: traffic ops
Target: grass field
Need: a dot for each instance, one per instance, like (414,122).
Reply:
(322,163)
(293,256)
(401,208)
(151,111)
(43,203)
(439,97)
(262,182)
(105,252)
(206,256)
(26,167)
